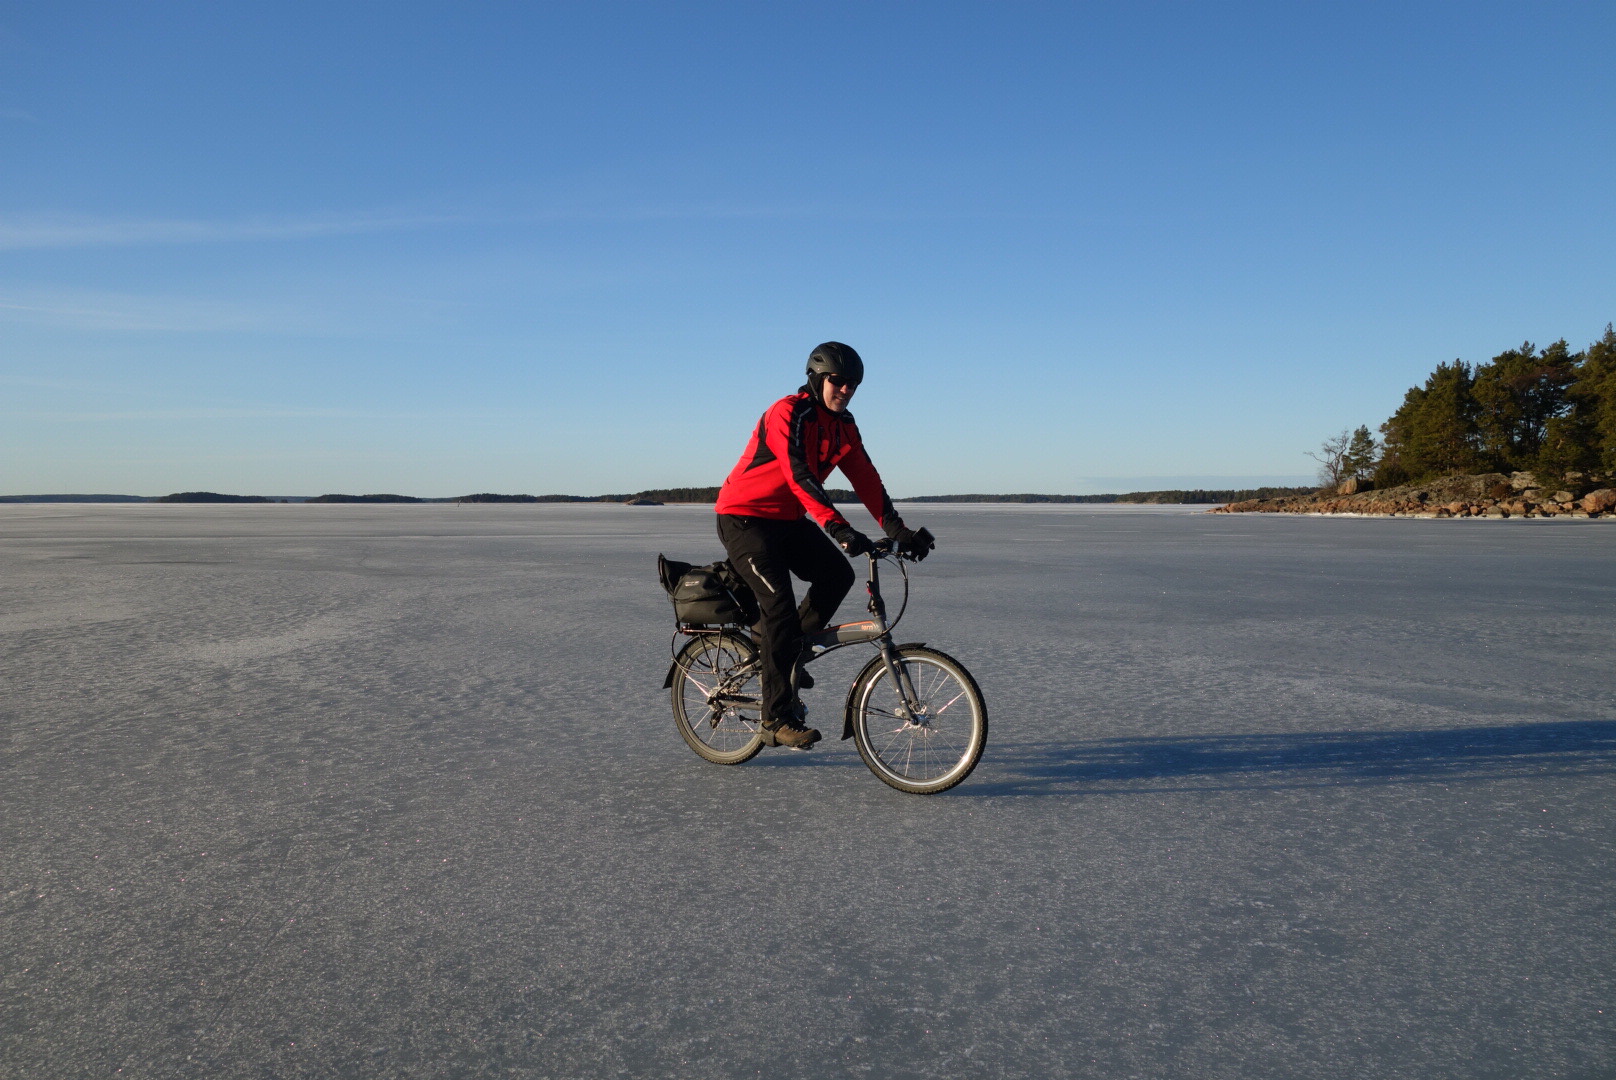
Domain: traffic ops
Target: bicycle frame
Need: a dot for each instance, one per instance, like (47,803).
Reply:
(877,631)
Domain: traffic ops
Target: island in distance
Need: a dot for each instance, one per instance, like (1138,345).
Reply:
(1531,433)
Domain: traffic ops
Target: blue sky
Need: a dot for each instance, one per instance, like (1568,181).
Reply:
(437,248)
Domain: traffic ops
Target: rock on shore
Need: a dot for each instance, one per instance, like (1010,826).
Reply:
(1485,495)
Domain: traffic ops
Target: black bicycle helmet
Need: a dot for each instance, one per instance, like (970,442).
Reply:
(834,358)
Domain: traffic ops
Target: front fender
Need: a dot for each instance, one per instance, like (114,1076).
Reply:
(667,684)
(852,692)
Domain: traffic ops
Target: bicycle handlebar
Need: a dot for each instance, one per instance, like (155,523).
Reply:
(887,548)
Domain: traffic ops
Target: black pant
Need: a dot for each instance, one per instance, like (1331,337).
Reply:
(766,553)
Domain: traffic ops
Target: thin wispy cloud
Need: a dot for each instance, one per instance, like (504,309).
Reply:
(200,414)
(267,412)
(101,311)
(76,386)
(38,232)
(23,232)
(11,112)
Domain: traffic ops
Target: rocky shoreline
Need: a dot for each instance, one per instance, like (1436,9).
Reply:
(1489,495)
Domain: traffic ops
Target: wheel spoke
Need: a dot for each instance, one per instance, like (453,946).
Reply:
(893,737)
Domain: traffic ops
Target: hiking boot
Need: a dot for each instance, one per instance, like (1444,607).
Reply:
(793,733)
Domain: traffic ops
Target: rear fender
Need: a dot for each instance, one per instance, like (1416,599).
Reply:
(867,671)
(673,668)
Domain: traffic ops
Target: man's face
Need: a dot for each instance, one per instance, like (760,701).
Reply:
(837,392)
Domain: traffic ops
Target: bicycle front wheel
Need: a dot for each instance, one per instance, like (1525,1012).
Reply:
(927,744)
(718,698)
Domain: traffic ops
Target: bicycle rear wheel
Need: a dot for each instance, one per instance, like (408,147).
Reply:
(717,698)
(927,745)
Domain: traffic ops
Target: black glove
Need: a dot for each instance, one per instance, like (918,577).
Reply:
(914,544)
(850,539)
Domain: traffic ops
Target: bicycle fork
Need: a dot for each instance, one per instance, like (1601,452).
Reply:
(910,709)
(896,671)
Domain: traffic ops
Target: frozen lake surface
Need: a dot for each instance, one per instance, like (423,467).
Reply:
(378,791)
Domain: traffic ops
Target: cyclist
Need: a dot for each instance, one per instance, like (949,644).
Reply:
(764,511)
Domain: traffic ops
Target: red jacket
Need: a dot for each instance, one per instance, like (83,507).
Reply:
(795,446)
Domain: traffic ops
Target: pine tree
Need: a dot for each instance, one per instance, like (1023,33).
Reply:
(1594,397)
(1362,455)
(1570,439)
(1434,431)
(1550,412)
(1518,395)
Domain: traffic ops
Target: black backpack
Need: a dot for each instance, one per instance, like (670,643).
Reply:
(711,595)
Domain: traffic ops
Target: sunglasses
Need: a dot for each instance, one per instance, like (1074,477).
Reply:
(840,381)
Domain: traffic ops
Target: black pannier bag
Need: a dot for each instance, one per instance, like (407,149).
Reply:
(711,595)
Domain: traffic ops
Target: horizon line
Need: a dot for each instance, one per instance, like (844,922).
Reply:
(608,496)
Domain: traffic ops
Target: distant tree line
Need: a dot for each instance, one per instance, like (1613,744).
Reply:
(1550,411)
(210,497)
(661,495)
(704,495)
(1174,496)
(72,498)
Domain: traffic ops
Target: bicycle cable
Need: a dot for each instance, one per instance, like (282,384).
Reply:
(904,570)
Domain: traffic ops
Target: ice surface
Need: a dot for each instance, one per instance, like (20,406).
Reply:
(380,791)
